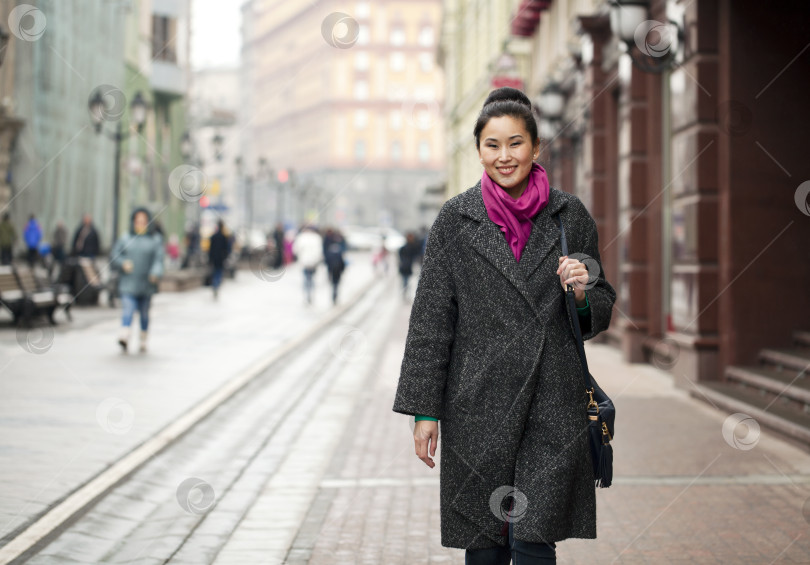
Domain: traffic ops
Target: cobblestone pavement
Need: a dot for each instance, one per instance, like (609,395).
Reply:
(71,403)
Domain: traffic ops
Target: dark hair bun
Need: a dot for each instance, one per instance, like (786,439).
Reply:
(508,93)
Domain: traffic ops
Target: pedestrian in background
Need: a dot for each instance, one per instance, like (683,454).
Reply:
(408,253)
(138,256)
(218,250)
(490,352)
(85,240)
(278,240)
(8,237)
(192,240)
(58,242)
(308,250)
(173,250)
(32,236)
(380,258)
(334,246)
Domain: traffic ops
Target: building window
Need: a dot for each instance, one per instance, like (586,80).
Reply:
(426,62)
(361,10)
(361,61)
(360,150)
(397,35)
(397,61)
(424,119)
(396,120)
(424,92)
(363,35)
(424,151)
(361,90)
(360,119)
(396,151)
(426,36)
(164,35)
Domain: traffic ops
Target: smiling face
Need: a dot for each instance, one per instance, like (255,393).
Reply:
(507,153)
(140,222)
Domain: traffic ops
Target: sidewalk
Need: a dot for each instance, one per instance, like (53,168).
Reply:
(78,406)
(681,493)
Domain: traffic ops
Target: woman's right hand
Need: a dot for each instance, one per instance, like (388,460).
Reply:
(425,437)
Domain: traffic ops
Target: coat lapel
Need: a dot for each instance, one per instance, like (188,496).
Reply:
(490,243)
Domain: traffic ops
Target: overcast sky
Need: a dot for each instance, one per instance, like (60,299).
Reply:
(215,39)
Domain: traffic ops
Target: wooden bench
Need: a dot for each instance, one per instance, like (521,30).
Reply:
(41,298)
(12,296)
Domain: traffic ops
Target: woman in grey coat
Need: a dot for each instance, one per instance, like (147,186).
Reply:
(139,258)
(490,352)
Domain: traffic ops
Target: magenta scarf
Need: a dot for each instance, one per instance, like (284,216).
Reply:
(514,216)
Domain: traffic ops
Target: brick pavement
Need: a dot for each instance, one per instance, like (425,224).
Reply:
(681,494)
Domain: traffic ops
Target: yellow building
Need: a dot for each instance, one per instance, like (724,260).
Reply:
(348,96)
(475,36)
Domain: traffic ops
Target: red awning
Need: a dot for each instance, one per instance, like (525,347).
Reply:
(527,18)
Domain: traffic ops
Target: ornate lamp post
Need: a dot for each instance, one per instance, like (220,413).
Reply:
(99,107)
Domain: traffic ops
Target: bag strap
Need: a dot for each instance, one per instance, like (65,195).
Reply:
(572,310)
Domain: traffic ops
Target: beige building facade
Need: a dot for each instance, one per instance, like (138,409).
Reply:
(347,97)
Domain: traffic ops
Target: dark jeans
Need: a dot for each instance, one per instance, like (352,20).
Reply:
(309,283)
(134,304)
(517,553)
(216,277)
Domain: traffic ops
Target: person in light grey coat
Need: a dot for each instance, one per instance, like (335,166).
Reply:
(139,257)
(491,355)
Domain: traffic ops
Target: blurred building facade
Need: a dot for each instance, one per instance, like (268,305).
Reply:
(689,160)
(347,96)
(215,145)
(58,166)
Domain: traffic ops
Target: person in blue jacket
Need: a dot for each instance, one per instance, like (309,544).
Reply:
(32,236)
(138,256)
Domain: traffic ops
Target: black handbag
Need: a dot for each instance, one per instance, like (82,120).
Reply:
(600,408)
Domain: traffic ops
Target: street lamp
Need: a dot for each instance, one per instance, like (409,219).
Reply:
(658,43)
(99,108)
(186,147)
(218,141)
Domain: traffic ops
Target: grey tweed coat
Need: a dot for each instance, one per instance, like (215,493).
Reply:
(491,354)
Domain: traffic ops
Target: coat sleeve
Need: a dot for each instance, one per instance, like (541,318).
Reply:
(601,295)
(431,330)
